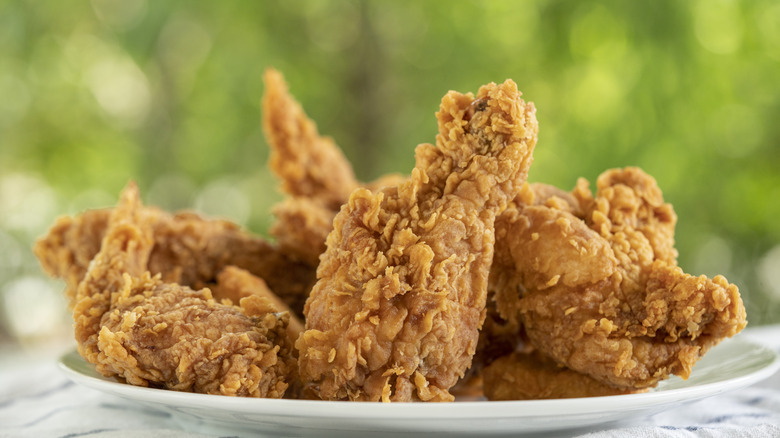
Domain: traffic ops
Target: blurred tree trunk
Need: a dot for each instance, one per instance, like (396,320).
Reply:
(365,78)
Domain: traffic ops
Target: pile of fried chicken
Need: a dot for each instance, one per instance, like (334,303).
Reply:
(457,279)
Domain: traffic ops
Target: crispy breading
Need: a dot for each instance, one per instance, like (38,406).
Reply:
(596,286)
(309,165)
(301,227)
(315,176)
(234,284)
(152,333)
(401,288)
(188,249)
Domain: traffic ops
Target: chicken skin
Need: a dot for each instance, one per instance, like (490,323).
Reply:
(400,296)
(593,280)
(188,250)
(135,326)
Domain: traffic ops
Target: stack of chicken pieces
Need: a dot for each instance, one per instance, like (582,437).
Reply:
(459,278)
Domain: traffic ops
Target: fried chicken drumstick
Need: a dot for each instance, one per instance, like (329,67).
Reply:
(152,333)
(401,289)
(595,283)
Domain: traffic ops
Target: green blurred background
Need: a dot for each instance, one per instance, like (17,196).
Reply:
(93,94)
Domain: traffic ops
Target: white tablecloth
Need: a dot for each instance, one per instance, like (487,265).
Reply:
(37,400)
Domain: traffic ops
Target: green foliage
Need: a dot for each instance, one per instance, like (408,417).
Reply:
(93,94)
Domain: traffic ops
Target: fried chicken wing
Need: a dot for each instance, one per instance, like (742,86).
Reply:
(308,165)
(315,175)
(401,288)
(594,282)
(152,333)
(188,250)
(69,246)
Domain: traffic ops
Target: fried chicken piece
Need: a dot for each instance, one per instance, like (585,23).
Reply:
(532,376)
(69,246)
(235,284)
(152,333)
(594,282)
(308,165)
(199,249)
(188,250)
(315,175)
(301,227)
(400,296)
(501,335)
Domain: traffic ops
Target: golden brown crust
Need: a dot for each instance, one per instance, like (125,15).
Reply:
(188,250)
(234,284)
(152,333)
(68,247)
(401,293)
(599,291)
(308,165)
(301,227)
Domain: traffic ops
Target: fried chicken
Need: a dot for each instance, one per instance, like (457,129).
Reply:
(503,335)
(188,250)
(153,333)
(532,376)
(69,246)
(301,227)
(314,174)
(594,282)
(234,284)
(400,296)
(308,165)
(583,298)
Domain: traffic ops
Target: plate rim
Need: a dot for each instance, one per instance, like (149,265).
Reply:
(435,411)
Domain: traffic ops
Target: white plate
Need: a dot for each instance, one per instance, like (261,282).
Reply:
(733,364)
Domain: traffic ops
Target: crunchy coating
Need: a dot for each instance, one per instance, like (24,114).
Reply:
(188,250)
(597,288)
(302,224)
(69,246)
(531,376)
(502,333)
(314,174)
(235,284)
(308,165)
(401,289)
(301,227)
(152,333)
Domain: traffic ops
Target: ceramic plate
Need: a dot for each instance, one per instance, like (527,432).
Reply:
(733,364)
